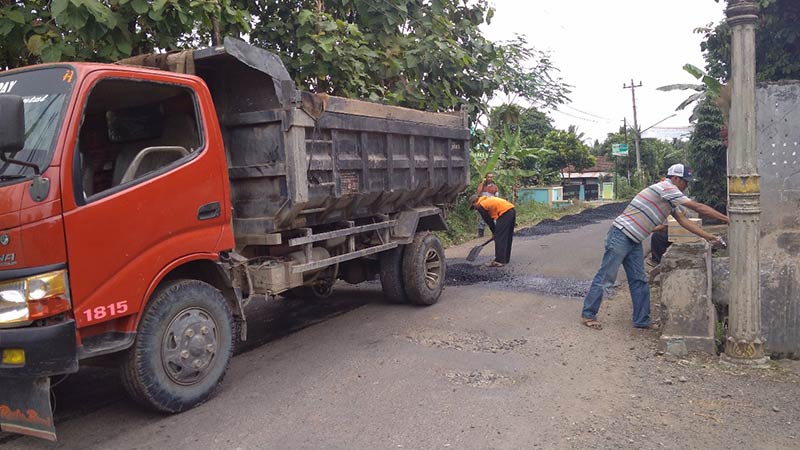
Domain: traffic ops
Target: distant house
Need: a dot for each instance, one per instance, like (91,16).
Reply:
(585,185)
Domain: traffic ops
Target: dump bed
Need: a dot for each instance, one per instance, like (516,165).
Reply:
(297,159)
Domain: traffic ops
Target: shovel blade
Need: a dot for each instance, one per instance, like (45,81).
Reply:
(25,407)
(473,254)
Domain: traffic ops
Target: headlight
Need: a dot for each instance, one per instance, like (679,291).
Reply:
(36,297)
(13,305)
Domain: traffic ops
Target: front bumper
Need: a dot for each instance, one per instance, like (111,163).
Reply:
(49,350)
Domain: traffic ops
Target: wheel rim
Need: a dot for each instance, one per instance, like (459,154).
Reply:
(189,346)
(433,269)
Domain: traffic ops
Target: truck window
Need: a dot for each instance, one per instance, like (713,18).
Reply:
(132,129)
(45,93)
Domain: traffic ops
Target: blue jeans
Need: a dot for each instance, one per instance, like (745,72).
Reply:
(620,249)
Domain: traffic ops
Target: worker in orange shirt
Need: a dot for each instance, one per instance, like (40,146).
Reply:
(499,214)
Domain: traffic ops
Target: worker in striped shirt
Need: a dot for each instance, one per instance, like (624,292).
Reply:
(623,245)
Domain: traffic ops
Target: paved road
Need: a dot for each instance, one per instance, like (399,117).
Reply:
(502,365)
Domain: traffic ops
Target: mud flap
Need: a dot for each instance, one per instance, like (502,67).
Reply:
(25,407)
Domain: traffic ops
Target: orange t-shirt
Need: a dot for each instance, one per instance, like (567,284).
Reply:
(495,206)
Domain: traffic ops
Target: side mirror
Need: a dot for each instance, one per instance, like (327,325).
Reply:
(12,124)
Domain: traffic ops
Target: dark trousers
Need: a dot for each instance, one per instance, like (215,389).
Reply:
(503,235)
(659,242)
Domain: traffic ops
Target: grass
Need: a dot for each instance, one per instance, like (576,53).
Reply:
(463,222)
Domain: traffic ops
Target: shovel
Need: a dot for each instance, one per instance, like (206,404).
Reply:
(477,250)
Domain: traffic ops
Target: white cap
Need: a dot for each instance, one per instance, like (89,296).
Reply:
(679,170)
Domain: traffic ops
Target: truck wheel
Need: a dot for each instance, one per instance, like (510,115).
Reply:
(182,349)
(391,263)
(424,269)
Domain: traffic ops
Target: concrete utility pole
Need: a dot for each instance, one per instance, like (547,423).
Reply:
(633,87)
(627,158)
(744,343)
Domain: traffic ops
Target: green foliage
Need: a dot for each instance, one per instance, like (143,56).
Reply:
(568,150)
(511,162)
(421,54)
(709,89)
(424,54)
(462,222)
(777,43)
(708,158)
(532,123)
(35,31)
(627,189)
(656,156)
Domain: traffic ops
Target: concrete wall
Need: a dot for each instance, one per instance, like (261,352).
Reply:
(778,135)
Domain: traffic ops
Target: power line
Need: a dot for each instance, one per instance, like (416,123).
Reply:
(590,114)
(575,117)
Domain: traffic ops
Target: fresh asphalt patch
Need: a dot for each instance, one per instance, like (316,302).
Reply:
(465,274)
(502,279)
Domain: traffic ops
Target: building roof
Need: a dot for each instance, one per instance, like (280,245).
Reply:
(602,165)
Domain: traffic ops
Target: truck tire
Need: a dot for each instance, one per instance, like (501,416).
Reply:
(182,349)
(424,269)
(391,265)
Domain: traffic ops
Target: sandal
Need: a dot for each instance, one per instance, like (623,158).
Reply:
(494,264)
(591,323)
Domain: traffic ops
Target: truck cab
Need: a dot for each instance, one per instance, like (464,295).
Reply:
(121,177)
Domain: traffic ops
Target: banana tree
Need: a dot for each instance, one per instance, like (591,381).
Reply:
(709,88)
(507,161)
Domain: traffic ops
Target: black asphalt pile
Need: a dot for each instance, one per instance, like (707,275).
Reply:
(467,274)
(573,221)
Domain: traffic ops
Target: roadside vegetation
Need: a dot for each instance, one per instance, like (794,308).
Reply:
(463,222)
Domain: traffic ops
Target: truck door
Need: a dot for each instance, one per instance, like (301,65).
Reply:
(148,189)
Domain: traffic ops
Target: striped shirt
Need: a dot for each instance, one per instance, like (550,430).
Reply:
(649,209)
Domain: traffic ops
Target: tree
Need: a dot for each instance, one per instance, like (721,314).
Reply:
(422,54)
(568,150)
(708,157)
(512,163)
(710,88)
(777,58)
(532,123)
(777,43)
(656,155)
(34,31)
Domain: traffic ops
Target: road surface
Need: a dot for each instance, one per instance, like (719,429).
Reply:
(501,364)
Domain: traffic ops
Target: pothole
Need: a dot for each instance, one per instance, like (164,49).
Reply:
(481,379)
(476,343)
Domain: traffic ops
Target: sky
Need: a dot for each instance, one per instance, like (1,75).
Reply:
(600,45)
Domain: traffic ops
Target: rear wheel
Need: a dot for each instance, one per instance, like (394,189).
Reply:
(424,269)
(182,349)
(391,265)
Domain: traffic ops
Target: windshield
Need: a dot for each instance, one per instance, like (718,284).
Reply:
(44,92)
